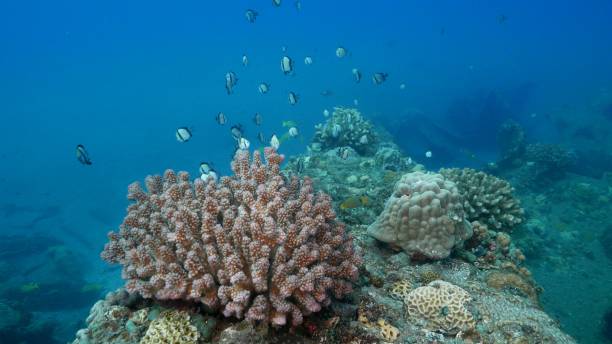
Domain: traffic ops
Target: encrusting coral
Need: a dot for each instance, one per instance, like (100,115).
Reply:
(442,306)
(487,199)
(254,245)
(424,216)
(171,327)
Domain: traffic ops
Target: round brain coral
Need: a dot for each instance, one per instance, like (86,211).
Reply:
(424,216)
(254,245)
(441,306)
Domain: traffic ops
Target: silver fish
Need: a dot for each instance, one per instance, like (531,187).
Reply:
(293,98)
(245,60)
(274,142)
(82,155)
(379,78)
(307,60)
(263,88)
(237,131)
(357,75)
(230,81)
(286,65)
(220,118)
(183,134)
(206,167)
(340,52)
(251,15)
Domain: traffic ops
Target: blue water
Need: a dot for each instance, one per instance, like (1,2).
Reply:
(120,77)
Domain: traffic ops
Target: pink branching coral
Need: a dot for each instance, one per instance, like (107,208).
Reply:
(253,245)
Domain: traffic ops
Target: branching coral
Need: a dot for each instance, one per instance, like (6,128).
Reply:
(487,199)
(253,245)
(424,216)
(346,127)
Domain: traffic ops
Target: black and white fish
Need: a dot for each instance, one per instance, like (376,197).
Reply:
(340,52)
(379,78)
(261,138)
(220,118)
(243,143)
(307,60)
(206,167)
(274,142)
(257,119)
(183,134)
(230,81)
(357,75)
(245,60)
(293,132)
(299,165)
(286,65)
(276,2)
(82,155)
(343,153)
(237,131)
(263,88)
(251,15)
(293,98)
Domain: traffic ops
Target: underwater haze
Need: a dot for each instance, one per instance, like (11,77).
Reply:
(521,90)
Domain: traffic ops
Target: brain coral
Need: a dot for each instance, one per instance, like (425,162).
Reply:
(442,307)
(255,245)
(424,216)
(171,327)
(487,199)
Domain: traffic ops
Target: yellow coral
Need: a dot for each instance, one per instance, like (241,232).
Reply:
(400,289)
(442,306)
(388,331)
(171,327)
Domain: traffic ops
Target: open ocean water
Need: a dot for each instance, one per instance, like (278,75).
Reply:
(123,78)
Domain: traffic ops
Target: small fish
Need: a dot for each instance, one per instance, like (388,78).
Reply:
(325,112)
(428,154)
(343,153)
(340,52)
(299,165)
(356,102)
(336,130)
(286,65)
(251,15)
(402,86)
(244,143)
(293,132)
(274,142)
(502,18)
(237,132)
(220,118)
(326,93)
(230,81)
(379,78)
(298,5)
(245,60)
(357,75)
(307,60)
(206,167)
(284,48)
(354,202)
(263,88)
(289,124)
(276,3)
(364,139)
(82,155)
(293,98)
(183,134)
(261,138)
(257,119)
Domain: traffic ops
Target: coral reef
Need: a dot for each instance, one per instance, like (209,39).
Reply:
(548,161)
(424,216)
(346,127)
(254,245)
(442,306)
(487,199)
(171,326)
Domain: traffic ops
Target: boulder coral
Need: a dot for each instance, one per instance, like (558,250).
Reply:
(424,216)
